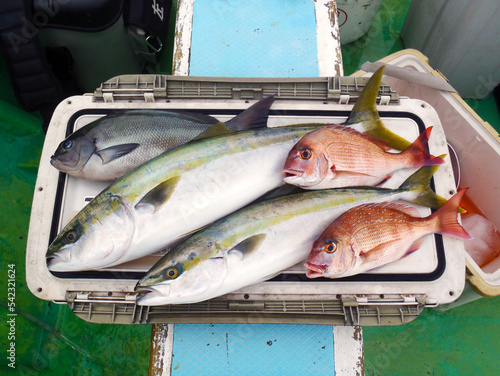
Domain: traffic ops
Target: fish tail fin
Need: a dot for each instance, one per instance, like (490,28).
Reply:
(254,116)
(365,111)
(418,185)
(418,151)
(447,217)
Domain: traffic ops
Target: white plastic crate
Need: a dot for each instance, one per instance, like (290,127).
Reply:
(391,295)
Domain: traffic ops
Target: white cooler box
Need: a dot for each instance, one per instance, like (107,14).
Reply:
(392,295)
(477,147)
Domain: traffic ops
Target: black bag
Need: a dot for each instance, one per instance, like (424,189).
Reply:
(58,48)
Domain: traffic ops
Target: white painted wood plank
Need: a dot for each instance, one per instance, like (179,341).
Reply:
(162,347)
(183,33)
(328,38)
(348,350)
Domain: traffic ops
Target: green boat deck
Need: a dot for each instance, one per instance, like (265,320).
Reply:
(51,340)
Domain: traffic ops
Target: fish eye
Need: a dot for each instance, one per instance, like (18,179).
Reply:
(67,144)
(71,236)
(331,246)
(305,153)
(172,272)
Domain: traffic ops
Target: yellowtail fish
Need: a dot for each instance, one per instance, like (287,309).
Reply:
(173,195)
(261,240)
(113,145)
(372,235)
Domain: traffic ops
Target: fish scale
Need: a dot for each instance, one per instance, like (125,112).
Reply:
(339,156)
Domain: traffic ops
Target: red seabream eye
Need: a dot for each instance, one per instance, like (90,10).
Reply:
(305,153)
(330,247)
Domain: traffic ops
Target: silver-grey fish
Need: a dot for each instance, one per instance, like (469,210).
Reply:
(261,240)
(113,145)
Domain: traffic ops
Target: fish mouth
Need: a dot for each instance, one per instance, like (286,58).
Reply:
(315,270)
(291,173)
(57,260)
(61,166)
(144,289)
(54,160)
(149,295)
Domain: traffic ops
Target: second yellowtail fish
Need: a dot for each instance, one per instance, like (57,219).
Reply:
(261,240)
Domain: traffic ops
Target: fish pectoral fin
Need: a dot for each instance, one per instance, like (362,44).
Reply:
(215,130)
(387,253)
(414,247)
(114,152)
(246,246)
(159,194)
(349,173)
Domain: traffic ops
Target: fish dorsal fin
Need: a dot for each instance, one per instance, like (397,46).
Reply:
(215,130)
(254,116)
(305,125)
(410,210)
(353,131)
(365,107)
(246,246)
(195,117)
(114,152)
(158,195)
(365,111)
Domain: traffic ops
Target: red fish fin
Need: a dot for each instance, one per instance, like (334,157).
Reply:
(415,246)
(385,179)
(420,150)
(350,173)
(410,210)
(372,257)
(447,215)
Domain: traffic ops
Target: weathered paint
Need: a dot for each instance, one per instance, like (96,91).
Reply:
(328,38)
(182,43)
(348,349)
(162,344)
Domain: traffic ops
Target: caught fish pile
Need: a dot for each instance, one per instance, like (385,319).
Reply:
(197,194)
